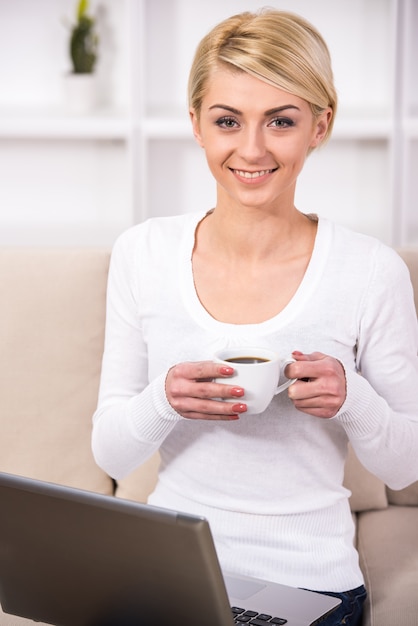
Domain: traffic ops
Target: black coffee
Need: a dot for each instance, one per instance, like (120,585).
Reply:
(247,359)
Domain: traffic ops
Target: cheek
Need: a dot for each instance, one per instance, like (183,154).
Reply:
(292,153)
(216,151)
(214,162)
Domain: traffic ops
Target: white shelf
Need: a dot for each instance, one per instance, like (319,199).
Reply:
(166,128)
(66,177)
(56,123)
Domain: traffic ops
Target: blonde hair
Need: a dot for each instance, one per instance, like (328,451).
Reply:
(278,47)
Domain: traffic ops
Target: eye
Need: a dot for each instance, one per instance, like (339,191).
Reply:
(227,122)
(282,122)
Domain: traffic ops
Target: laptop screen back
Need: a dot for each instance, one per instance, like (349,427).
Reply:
(75,558)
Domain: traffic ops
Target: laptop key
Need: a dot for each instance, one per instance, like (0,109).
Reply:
(264,616)
(278,620)
(262,622)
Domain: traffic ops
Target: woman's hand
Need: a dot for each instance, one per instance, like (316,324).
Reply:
(190,389)
(321,389)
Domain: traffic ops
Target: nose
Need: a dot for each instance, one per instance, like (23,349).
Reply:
(252,144)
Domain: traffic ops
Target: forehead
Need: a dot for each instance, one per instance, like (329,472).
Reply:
(243,91)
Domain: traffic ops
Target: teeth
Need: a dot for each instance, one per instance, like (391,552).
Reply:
(252,174)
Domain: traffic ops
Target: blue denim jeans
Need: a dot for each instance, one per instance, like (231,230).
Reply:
(350,611)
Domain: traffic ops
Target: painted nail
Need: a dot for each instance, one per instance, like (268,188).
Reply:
(239,408)
(237,392)
(227,371)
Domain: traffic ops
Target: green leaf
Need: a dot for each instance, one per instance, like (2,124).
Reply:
(83,6)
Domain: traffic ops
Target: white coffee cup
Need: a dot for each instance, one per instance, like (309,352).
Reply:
(257,371)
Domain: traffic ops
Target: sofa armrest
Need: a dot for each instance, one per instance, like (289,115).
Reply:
(387,542)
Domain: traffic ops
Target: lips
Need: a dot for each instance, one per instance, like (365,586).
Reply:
(252,175)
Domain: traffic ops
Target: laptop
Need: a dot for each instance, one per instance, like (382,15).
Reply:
(71,557)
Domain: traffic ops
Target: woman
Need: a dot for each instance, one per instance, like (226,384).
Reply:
(255,270)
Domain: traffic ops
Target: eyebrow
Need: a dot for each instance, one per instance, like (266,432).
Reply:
(273,111)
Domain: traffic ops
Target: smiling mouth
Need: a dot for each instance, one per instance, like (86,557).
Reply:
(252,175)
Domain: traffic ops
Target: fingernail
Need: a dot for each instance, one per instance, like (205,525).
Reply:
(239,408)
(227,371)
(237,392)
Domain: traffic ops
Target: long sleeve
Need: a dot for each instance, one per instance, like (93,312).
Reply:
(380,415)
(133,415)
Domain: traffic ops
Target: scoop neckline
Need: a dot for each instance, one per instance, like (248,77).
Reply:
(306,287)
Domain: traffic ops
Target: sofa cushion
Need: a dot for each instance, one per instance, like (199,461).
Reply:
(367,491)
(404,497)
(51,336)
(388,548)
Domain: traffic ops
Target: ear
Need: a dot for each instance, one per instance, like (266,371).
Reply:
(320,127)
(196,127)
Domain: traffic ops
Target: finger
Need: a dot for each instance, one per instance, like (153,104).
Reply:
(194,390)
(221,371)
(201,370)
(301,390)
(194,408)
(200,389)
(315,365)
(215,390)
(313,356)
(302,370)
(316,399)
(196,380)
(322,387)
(318,407)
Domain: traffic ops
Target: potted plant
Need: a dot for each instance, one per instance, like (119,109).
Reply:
(83,51)
(83,41)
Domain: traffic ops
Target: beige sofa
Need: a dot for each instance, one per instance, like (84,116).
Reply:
(51,337)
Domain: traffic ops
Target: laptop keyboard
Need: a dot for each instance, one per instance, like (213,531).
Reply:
(242,616)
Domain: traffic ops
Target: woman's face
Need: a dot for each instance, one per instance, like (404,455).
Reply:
(256,138)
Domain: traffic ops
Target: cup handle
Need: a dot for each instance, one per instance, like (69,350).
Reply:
(289,381)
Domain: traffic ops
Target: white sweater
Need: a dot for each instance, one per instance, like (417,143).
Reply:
(270,484)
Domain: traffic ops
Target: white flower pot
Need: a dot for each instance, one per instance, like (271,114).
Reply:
(80,93)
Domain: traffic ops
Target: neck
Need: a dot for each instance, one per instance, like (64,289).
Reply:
(255,234)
